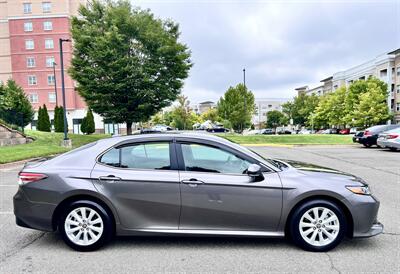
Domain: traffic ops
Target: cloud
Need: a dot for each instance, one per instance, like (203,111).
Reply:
(282,44)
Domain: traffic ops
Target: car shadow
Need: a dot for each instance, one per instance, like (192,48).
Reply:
(207,242)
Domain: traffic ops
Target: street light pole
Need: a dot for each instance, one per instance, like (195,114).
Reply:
(245,96)
(55,81)
(63,85)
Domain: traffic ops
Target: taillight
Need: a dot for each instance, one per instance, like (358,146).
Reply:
(367,133)
(28,177)
(392,136)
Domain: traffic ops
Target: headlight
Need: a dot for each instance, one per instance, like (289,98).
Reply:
(361,190)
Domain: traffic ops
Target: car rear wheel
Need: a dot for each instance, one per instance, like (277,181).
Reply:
(86,226)
(318,225)
(367,145)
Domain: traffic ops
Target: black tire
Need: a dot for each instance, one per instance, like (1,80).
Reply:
(367,145)
(294,223)
(393,149)
(108,225)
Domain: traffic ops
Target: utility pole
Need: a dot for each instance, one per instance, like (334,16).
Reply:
(66,141)
(245,97)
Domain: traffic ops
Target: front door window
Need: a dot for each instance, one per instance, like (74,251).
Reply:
(210,159)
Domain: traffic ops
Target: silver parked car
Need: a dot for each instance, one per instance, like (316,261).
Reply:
(390,139)
(190,184)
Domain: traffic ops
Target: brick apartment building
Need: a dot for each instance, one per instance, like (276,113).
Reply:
(29,46)
(386,67)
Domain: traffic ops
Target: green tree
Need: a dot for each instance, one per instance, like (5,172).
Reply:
(237,107)
(211,114)
(182,117)
(331,110)
(274,119)
(39,124)
(372,108)
(15,107)
(44,120)
(128,63)
(90,126)
(84,125)
(301,108)
(59,119)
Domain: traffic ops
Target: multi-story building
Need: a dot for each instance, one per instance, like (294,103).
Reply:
(202,107)
(263,105)
(29,48)
(386,67)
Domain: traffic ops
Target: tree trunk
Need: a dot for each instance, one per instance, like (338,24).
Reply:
(128,128)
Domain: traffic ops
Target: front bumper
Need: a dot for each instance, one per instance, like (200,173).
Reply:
(376,229)
(32,214)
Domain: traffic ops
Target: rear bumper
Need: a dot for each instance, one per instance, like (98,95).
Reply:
(389,144)
(32,214)
(375,229)
(370,140)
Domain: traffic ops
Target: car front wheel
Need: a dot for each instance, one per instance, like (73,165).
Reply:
(85,226)
(318,225)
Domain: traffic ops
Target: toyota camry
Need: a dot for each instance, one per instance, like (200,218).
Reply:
(190,184)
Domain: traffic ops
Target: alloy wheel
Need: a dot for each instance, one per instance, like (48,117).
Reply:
(83,226)
(319,226)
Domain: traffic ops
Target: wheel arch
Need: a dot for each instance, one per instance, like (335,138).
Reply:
(346,211)
(81,197)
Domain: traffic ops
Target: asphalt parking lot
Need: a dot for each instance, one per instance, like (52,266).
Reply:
(25,250)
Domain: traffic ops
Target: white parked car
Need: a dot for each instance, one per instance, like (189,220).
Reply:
(390,139)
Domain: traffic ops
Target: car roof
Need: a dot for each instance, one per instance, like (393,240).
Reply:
(165,135)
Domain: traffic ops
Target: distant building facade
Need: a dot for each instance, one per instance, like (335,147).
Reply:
(262,106)
(202,107)
(385,67)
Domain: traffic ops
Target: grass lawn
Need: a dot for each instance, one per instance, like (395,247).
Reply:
(46,144)
(298,139)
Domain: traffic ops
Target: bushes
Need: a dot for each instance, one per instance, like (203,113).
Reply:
(59,119)
(88,126)
(43,119)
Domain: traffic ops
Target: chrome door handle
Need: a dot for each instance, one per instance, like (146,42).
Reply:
(192,182)
(109,178)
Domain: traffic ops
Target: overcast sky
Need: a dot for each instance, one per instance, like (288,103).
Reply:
(282,44)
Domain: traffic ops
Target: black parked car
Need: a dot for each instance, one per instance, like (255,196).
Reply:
(371,134)
(217,129)
(357,136)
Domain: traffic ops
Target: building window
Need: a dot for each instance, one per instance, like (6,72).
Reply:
(46,7)
(383,73)
(47,25)
(50,79)
(49,44)
(52,97)
(33,98)
(32,80)
(30,62)
(29,44)
(398,71)
(398,88)
(50,61)
(398,107)
(28,26)
(27,7)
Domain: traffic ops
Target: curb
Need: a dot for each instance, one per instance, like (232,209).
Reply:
(15,164)
(266,145)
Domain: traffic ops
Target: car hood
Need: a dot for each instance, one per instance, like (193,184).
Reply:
(319,171)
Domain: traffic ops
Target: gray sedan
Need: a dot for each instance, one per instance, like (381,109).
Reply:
(190,184)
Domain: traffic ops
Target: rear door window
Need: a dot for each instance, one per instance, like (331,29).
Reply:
(139,156)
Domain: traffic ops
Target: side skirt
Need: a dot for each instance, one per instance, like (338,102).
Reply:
(200,232)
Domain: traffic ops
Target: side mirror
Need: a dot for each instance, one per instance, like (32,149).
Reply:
(254,171)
